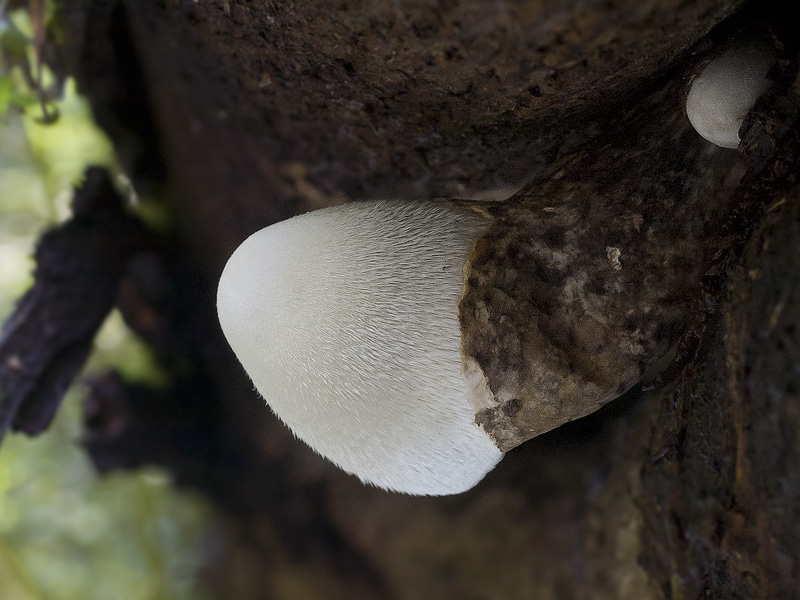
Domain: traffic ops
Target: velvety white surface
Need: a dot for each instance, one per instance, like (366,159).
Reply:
(346,321)
(725,91)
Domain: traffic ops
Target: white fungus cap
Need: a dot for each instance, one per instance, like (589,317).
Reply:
(726,89)
(346,320)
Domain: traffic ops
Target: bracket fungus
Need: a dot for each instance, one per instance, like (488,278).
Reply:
(726,88)
(346,319)
(413,344)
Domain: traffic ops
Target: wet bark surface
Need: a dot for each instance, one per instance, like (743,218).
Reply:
(250,112)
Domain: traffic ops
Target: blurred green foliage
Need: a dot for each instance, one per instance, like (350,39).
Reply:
(66,533)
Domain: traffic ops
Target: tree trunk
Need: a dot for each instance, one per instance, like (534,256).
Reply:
(252,112)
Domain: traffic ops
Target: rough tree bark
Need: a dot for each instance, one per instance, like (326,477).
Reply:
(253,111)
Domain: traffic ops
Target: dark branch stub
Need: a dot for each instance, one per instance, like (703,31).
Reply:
(46,340)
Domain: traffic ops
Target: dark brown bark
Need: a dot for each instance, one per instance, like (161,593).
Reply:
(253,111)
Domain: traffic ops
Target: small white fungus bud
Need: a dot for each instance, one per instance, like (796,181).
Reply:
(726,89)
(346,320)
